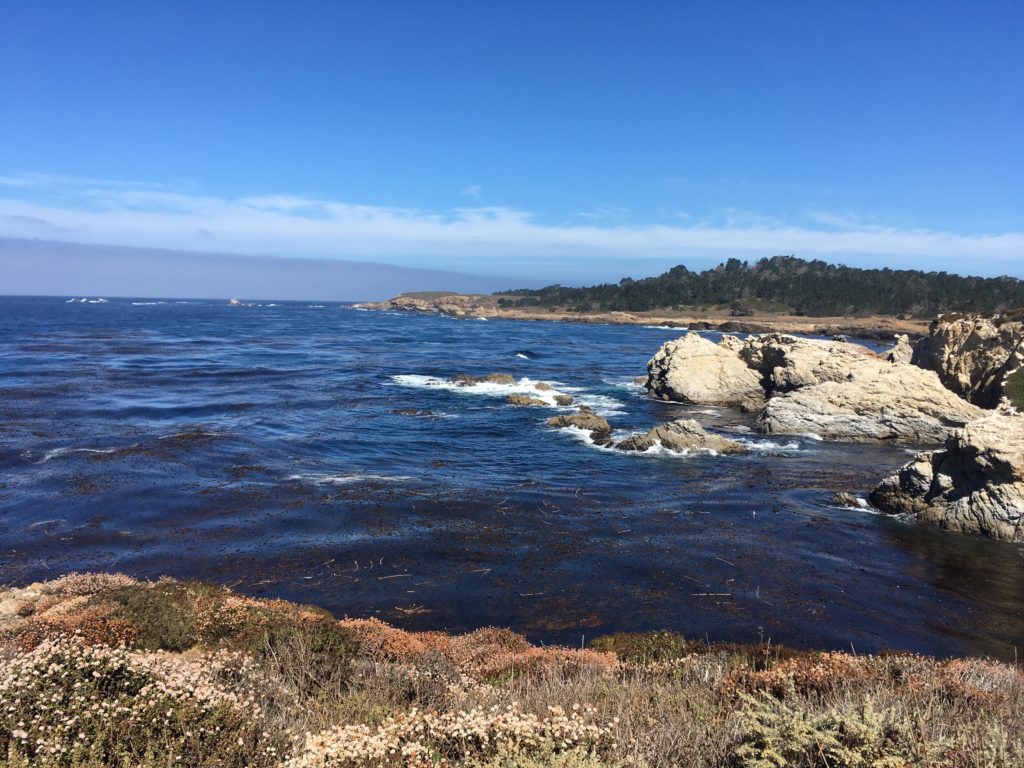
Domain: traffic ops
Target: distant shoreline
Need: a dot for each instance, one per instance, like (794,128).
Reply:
(475,306)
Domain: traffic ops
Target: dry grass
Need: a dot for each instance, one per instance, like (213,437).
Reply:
(288,685)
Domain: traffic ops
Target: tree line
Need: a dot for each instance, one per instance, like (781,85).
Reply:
(787,284)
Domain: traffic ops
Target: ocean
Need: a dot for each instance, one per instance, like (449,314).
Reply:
(316,452)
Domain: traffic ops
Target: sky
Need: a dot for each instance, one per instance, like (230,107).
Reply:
(540,142)
(47,268)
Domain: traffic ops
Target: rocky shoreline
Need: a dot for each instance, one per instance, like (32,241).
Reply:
(473,306)
(953,390)
(941,391)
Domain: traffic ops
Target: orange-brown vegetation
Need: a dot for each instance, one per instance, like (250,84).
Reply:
(108,671)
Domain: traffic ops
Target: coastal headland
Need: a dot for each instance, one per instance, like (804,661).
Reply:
(488,307)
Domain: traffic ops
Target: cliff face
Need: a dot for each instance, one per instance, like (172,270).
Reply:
(975,356)
(974,485)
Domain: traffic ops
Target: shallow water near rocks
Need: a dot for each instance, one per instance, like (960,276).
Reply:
(315,452)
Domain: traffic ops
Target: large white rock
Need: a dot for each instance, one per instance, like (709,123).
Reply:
(693,369)
(835,389)
(788,362)
(974,485)
(900,403)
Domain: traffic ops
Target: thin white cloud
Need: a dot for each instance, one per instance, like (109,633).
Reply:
(473,190)
(485,238)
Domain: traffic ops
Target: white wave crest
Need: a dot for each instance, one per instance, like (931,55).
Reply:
(58,452)
(632,386)
(769,446)
(355,477)
(602,404)
(655,451)
(524,386)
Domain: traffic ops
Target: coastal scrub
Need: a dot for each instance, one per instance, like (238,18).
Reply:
(93,674)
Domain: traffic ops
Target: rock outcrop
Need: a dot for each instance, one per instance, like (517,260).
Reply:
(900,403)
(681,435)
(786,363)
(562,399)
(587,420)
(439,302)
(834,389)
(519,399)
(975,484)
(902,351)
(465,380)
(976,356)
(693,369)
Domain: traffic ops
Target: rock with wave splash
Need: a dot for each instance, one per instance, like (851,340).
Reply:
(587,420)
(525,400)
(682,435)
(975,484)
(466,380)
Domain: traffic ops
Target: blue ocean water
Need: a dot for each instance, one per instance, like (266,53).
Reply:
(316,452)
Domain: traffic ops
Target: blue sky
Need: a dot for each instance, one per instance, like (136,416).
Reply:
(543,141)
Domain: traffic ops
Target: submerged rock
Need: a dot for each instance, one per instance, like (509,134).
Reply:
(518,399)
(681,435)
(695,370)
(422,412)
(586,419)
(976,356)
(975,484)
(465,380)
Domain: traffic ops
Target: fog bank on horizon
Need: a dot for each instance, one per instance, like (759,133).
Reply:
(49,268)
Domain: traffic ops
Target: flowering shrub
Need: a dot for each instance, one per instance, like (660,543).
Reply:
(207,677)
(423,739)
(68,704)
(79,584)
